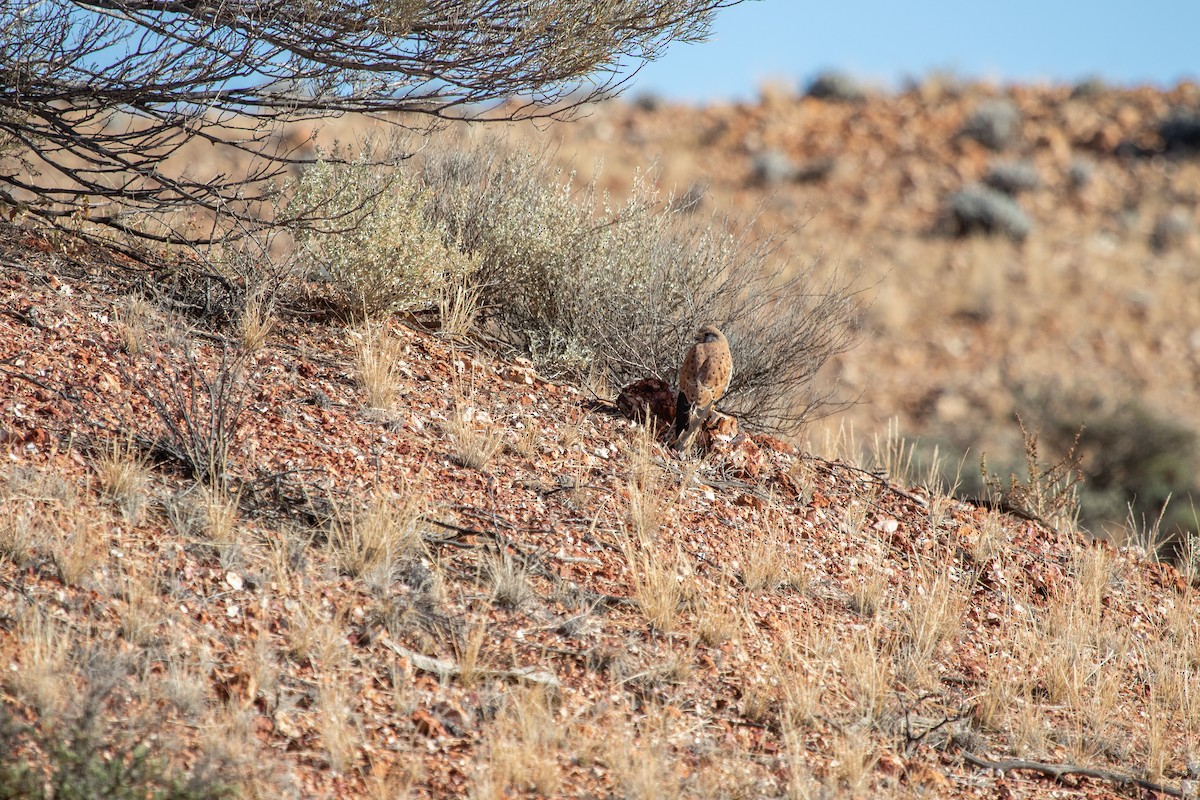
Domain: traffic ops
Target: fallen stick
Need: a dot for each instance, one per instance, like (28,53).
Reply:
(1059,771)
(444,669)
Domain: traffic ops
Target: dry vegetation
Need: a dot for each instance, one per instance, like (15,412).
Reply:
(386,562)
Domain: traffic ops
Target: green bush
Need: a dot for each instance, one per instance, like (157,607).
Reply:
(82,764)
(364,228)
(579,281)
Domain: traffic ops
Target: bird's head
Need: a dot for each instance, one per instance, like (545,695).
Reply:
(709,333)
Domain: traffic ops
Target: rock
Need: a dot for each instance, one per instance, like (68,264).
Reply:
(648,397)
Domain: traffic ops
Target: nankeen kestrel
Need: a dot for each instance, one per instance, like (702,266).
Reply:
(703,380)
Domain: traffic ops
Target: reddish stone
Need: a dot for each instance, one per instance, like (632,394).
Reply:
(648,397)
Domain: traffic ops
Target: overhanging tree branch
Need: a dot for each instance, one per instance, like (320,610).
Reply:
(96,97)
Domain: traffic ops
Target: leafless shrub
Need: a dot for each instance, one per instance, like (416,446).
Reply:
(577,281)
(199,405)
(1048,491)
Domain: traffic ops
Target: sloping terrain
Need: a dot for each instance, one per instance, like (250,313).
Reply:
(1093,309)
(492,585)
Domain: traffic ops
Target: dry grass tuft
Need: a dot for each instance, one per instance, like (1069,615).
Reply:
(77,546)
(523,747)
(185,684)
(316,635)
(220,516)
(477,437)
(869,593)
(936,603)
(801,679)
(124,475)
(657,585)
(337,722)
(508,581)
(854,757)
(21,533)
(868,670)
(373,543)
(641,762)
(43,677)
(468,652)
(718,621)
(459,301)
(376,362)
(255,323)
(141,616)
(132,318)
(765,560)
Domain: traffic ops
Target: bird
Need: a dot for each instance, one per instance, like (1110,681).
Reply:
(703,380)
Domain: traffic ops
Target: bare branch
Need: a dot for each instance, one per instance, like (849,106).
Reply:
(96,97)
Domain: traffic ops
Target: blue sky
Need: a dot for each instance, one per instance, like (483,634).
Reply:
(885,41)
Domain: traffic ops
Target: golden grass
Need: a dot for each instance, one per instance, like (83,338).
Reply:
(142,615)
(124,477)
(802,681)
(459,301)
(854,757)
(523,747)
(717,621)
(377,356)
(469,653)
(372,543)
(78,546)
(255,323)
(43,679)
(185,683)
(337,722)
(477,437)
(219,516)
(657,580)
(765,561)
(316,635)
(893,454)
(868,594)
(640,760)
(132,317)
(508,582)
(936,603)
(868,670)
(20,533)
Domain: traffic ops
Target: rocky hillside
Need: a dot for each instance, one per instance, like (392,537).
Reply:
(415,570)
(1027,250)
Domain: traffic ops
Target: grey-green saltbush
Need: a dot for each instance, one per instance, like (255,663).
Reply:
(366,232)
(582,282)
(981,209)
